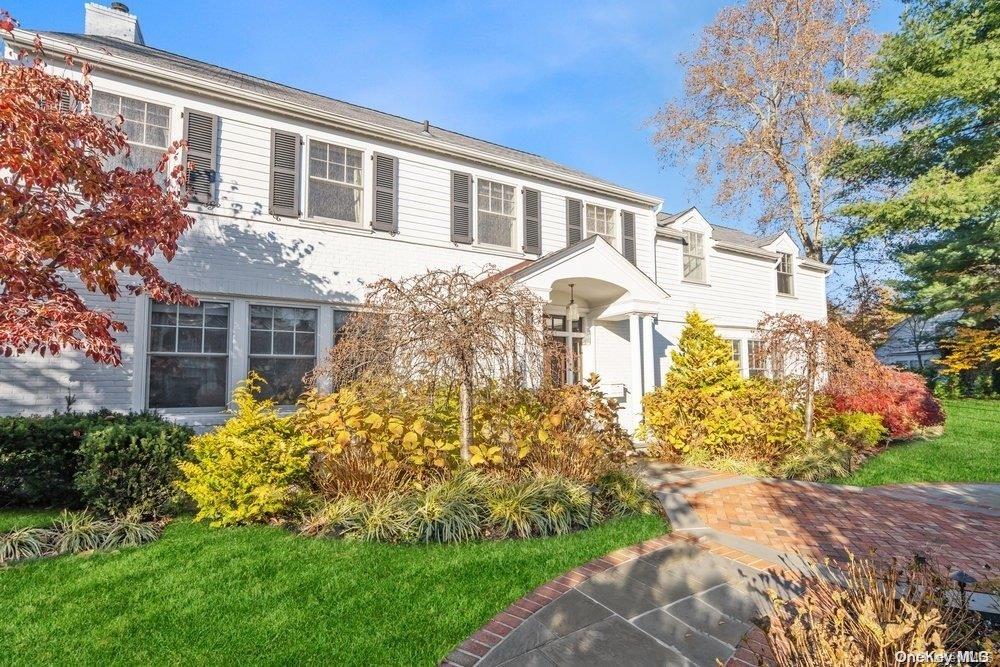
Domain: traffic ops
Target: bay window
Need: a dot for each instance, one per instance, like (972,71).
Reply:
(335,182)
(188,355)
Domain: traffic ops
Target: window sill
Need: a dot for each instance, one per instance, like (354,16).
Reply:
(787,296)
(327,223)
(695,282)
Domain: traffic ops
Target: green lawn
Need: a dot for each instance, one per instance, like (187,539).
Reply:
(264,596)
(968,451)
(22,518)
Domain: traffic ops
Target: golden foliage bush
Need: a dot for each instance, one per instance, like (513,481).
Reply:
(369,442)
(250,469)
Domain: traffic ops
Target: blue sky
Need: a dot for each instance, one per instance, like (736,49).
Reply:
(574,82)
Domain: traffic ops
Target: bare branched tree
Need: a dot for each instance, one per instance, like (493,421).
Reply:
(809,353)
(440,331)
(759,117)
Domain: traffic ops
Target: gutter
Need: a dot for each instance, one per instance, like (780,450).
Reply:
(746,250)
(226,93)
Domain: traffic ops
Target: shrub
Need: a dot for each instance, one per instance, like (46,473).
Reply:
(622,493)
(900,398)
(565,505)
(862,431)
(752,424)
(880,612)
(38,457)
(131,465)
(252,468)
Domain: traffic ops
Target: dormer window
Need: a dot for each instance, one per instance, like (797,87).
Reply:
(785,274)
(694,257)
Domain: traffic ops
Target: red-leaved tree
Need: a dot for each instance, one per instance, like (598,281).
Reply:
(68,219)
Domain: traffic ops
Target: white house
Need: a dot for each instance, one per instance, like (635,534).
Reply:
(913,343)
(307,199)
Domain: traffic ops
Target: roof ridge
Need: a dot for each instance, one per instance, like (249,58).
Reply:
(125,46)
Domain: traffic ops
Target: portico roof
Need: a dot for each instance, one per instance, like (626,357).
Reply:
(594,265)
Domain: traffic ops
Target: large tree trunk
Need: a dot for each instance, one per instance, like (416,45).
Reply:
(465,415)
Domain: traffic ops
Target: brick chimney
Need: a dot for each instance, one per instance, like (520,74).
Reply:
(114,21)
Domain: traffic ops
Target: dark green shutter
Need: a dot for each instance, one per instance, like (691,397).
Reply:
(532,221)
(628,235)
(385,216)
(200,132)
(461,207)
(574,221)
(284,191)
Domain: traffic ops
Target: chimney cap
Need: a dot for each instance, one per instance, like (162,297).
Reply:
(119,7)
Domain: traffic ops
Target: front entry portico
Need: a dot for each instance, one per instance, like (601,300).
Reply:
(604,309)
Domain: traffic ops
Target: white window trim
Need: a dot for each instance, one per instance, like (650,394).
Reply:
(790,274)
(615,222)
(318,346)
(365,187)
(169,107)
(516,224)
(705,248)
(143,352)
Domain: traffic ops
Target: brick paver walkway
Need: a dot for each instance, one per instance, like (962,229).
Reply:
(690,598)
(819,520)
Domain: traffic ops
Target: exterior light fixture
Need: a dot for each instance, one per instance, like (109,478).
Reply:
(572,312)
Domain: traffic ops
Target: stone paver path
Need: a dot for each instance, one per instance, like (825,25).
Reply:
(690,598)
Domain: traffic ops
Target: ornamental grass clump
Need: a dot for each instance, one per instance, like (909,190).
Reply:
(516,509)
(385,518)
(451,510)
(129,530)
(622,493)
(334,518)
(876,613)
(74,532)
(25,544)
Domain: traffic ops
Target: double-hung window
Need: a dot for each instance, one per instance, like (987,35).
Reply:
(495,213)
(694,256)
(756,358)
(335,182)
(282,349)
(147,126)
(785,274)
(737,356)
(188,355)
(601,222)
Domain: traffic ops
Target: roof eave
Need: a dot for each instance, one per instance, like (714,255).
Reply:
(188,83)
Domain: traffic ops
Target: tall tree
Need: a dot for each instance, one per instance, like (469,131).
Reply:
(70,224)
(930,116)
(867,311)
(758,116)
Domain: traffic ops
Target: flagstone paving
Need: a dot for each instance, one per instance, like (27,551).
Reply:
(691,597)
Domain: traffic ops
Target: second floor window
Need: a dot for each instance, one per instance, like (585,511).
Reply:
(694,256)
(601,222)
(785,280)
(335,182)
(495,213)
(147,126)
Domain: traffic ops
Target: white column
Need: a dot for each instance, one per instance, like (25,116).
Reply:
(635,354)
(648,381)
(239,347)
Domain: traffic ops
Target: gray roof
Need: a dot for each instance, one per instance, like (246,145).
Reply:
(723,233)
(152,56)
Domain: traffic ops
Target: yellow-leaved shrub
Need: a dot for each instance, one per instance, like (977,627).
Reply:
(252,468)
